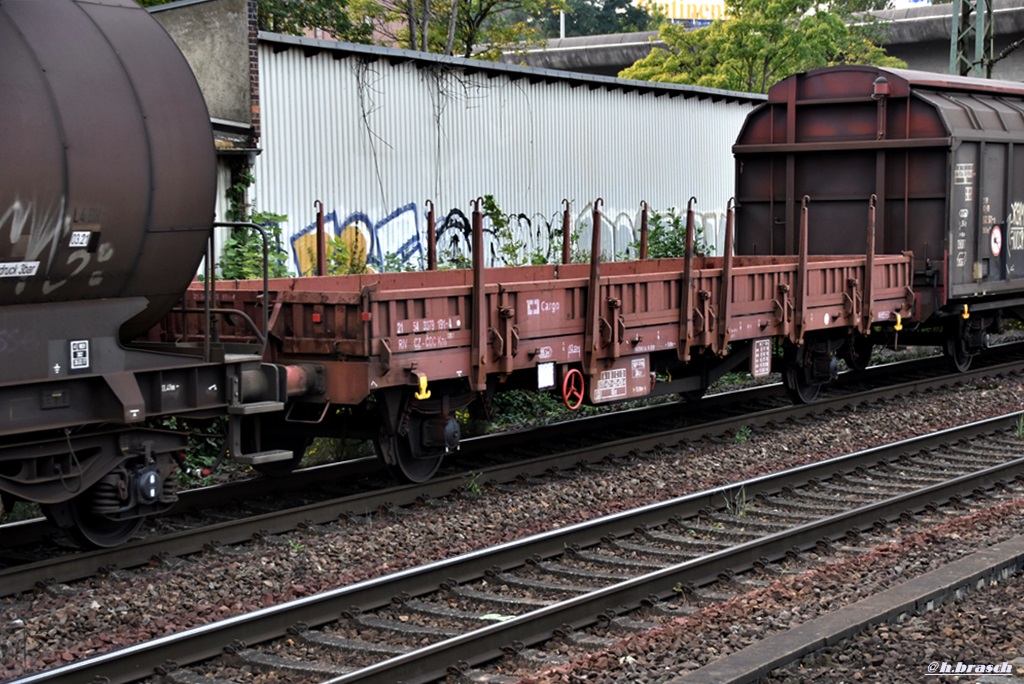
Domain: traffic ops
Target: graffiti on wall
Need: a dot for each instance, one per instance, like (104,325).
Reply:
(399,240)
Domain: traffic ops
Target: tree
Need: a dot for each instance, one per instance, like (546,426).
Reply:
(762,41)
(294,17)
(599,17)
(470,28)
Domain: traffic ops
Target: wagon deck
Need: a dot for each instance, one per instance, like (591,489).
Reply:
(614,322)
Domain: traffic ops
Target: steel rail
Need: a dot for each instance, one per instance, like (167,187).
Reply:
(80,565)
(200,643)
(32,530)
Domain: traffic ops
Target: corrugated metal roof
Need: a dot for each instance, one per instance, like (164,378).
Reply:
(511,71)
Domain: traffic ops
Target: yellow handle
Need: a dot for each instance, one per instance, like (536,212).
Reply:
(424,393)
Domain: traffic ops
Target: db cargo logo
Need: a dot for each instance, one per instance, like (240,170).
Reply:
(534,307)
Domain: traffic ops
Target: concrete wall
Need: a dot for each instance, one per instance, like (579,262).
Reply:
(214,37)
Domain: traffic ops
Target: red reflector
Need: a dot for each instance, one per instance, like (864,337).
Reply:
(367,315)
(316,318)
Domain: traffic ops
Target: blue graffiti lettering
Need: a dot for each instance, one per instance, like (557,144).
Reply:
(396,241)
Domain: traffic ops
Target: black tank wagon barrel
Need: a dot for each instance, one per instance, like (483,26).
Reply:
(106,203)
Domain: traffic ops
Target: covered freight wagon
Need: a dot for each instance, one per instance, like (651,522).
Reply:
(941,154)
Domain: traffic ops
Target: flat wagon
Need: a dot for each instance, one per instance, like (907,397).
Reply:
(419,346)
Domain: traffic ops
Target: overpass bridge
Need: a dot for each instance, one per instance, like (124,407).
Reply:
(919,35)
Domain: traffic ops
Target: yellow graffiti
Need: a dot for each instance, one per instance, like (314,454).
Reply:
(346,253)
(692,11)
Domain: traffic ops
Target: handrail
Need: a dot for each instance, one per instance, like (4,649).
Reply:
(266,278)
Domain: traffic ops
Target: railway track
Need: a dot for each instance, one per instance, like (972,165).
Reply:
(456,616)
(248,521)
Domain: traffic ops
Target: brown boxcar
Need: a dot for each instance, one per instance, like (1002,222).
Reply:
(942,155)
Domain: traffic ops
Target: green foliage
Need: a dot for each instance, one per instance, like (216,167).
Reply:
(472,484)
(577,255)
(242,256)
(238,208)
(510,248)
(330,16)
(340,259)
(666,236)
(516,408)
(337,18)
(453,260)
(21,510)
(393,263)
(744,433)
(481,28)
(737,505)
(593,17)
(762,42)
(204,447)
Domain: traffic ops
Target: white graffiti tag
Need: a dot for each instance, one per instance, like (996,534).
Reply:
(1016,227)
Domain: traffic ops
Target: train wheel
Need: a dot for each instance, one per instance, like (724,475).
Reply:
(87,528)
(798,388)
(416,455)
(798,372)
(407,458)
(415,433)
(857,353)
(955,349)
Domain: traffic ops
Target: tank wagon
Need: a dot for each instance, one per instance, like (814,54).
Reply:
(106,204)
(941,155)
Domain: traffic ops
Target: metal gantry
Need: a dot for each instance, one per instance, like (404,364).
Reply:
(970,42)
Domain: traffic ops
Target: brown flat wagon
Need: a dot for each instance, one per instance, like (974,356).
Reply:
(421,345)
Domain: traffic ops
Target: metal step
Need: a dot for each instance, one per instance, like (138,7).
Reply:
(265,456)
(255,407)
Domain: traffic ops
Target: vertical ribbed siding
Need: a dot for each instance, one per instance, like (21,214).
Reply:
(220,209)
(371,138)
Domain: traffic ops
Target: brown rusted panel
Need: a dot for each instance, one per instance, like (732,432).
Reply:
(939,152)
(531,316)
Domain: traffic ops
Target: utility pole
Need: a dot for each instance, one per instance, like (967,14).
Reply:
(971,50)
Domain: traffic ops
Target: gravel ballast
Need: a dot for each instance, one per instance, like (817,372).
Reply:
(65,623)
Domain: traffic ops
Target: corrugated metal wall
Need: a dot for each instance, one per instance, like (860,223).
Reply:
(375,139)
